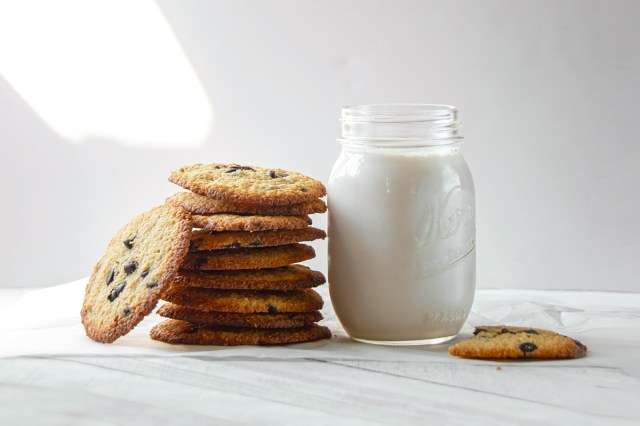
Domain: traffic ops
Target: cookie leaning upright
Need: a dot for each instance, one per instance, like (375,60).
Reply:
(140,262)
(244,184)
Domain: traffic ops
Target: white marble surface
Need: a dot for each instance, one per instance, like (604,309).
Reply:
(50,373)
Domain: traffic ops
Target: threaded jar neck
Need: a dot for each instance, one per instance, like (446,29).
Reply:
(400,125)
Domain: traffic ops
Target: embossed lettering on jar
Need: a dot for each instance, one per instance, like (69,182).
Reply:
(401,225)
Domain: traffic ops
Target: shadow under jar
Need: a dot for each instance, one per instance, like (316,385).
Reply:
(401,225)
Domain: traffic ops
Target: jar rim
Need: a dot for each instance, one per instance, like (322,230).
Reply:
(401,111)
(400,125)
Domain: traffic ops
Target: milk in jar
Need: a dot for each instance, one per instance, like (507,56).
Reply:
(401,225)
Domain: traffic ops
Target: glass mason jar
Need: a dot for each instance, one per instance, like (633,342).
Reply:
(401,225)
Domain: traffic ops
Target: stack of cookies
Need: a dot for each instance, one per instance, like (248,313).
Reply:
(239,282)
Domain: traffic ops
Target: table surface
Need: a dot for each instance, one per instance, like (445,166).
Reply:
(55,381)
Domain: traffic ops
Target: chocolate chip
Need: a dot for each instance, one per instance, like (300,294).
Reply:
(527,347)
(479,330)
(144,273)
(531,331)
(272,174)
(234,168)
(234,245)
(127,311)
(129,242)
(309,221)
(216,167)
(115,292)
(152,285)
(130,267)
(505,331)
(272,309)
(303,189)
(110,276)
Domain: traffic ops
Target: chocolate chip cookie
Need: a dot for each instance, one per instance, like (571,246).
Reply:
(248,184)
(232,319)
(504,342)
(244,301)
(251,223)
(139,263)
(248,258)
(198,204)
(290,277)
(182,332)
(211,240)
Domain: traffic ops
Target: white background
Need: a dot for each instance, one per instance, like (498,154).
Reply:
(548,91)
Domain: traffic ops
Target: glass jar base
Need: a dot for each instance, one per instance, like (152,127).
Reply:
(434,341)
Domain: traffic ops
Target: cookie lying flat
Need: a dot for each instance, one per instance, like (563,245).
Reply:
(234,222)
(208,240)
(182,332)
(285,278)
(199,204)
(245,184)
(231,319)
(248,258)
(504,342)
(140,262)
(245,301)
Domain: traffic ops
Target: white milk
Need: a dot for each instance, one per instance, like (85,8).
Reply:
(401,243)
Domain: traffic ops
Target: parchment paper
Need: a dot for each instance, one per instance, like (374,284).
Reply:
(46,322)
